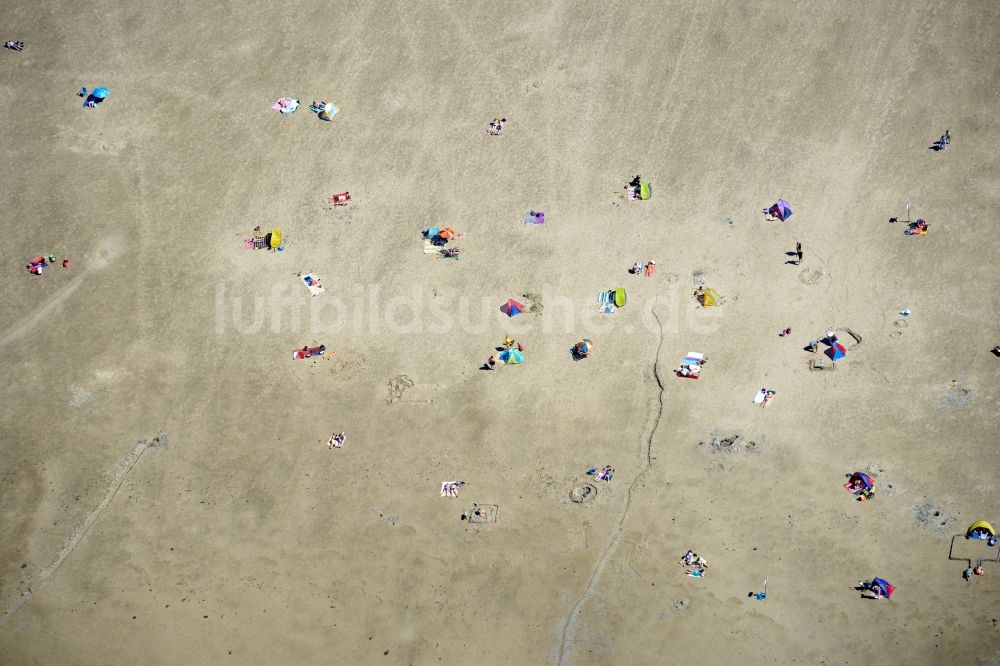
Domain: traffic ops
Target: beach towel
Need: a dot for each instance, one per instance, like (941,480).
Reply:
(286,105)
(606,299)
(693,358)
(759,398)
(430,247)
(312,283)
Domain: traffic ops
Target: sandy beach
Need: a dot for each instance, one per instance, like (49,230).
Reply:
(167,492)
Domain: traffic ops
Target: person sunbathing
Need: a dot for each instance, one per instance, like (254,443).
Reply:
(14,46)
(689,557)
(451,489)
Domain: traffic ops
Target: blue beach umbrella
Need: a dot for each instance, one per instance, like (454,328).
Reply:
(100,93)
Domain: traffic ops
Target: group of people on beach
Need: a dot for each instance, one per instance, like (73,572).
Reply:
(639,269)
(942,143)
(508,343)
(694,565)
(633,191)
(40,263)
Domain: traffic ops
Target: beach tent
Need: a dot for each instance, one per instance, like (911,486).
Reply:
(276,238)
(511,357)
(867,481)
(645,191)
(836,352)
(328,111)
(511,308)
(884,586)
(781,210)
(981,527)
(710,298)
(619,297)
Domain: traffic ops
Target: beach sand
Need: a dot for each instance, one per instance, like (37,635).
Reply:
(167,492)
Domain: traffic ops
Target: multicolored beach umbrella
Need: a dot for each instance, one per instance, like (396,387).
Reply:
(511,357)
(836,352)
(883,585)
(865,479)
(511,308)
(781,210)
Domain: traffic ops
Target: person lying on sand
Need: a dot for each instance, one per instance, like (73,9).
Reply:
(14,46)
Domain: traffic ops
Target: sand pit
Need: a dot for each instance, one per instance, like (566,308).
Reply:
(238,535)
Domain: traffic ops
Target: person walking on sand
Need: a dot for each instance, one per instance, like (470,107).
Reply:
(491,363)
(798,253)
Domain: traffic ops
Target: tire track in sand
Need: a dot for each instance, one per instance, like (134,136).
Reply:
(569,625)
(31,587)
